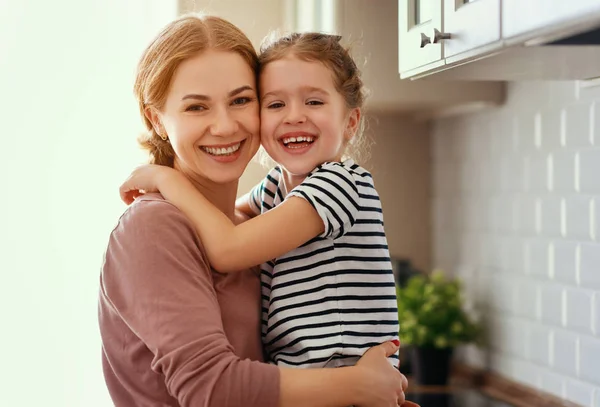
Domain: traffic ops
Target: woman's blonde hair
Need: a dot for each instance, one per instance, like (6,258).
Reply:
(183,38)
(327,49)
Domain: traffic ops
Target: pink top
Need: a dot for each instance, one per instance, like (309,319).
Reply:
(174,332)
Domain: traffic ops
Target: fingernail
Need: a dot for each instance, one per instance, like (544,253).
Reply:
(396,342)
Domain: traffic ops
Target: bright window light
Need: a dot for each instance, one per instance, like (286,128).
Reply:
(69,124)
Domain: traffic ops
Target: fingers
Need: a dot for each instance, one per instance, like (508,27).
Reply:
(128,196)
(409,404)
(404,382)
(390,347)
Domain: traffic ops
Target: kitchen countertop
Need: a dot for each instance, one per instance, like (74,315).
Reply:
(452,397)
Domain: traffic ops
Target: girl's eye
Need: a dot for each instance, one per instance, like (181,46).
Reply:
(195,108)
(314,103)
(275,105)
(241,100)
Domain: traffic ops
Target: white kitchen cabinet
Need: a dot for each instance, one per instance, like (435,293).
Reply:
(512,40)
(471,24)
(417,20)
(372,31)
(521,17)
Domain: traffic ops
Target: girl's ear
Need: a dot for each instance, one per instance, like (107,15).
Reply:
(353,122)
(152,115)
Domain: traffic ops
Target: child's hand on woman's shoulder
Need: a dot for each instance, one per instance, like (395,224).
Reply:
(145,179)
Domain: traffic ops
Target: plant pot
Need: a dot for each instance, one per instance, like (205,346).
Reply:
(431,366)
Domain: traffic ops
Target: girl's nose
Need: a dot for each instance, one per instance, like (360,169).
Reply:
(295,114)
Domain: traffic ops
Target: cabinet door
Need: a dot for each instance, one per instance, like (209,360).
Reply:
(416,21)
(471,23)
(519,17)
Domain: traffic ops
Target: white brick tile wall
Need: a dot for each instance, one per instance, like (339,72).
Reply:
(537,255)
(552,300)
(550,219)
(550,128)
(589,269)
(576,217)
(579,305)
(563,170)
(595,126)
(595,218)
(580,393)
(596,314)
(528,297)
(565,350)
(577,125)
(589,168)
(516,211)
(590,361)
(539,344)
(563,261)
(552,383)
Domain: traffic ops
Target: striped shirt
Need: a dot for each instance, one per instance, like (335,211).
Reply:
(331,299)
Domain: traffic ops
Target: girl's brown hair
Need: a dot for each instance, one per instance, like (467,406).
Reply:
(326,49)
(183,38)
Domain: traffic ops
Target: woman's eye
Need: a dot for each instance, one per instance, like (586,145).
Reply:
(241,101)
(195,108)
(275,105)
(314,103)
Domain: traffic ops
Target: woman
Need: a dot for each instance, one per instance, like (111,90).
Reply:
(175,333)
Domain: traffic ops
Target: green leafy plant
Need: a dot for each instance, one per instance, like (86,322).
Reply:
(432,314)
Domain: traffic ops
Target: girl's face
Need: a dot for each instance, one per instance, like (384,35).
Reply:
(304,119)
(211,117)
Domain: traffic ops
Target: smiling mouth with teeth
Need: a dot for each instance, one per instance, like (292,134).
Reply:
(221,151)
(297,142)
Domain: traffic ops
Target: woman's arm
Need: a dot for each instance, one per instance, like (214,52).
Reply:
(229,247)
(154,280)
(372,382)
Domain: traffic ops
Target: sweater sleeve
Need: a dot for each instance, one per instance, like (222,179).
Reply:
(158,280)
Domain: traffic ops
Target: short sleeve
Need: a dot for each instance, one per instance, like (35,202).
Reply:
(255,198)
(331,190)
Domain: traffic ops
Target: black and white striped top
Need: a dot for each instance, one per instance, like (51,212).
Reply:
(326,302)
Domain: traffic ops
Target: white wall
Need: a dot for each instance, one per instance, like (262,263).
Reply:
(517,215)
(68,124)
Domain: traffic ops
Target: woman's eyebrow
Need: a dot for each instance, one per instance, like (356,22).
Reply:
(234,92)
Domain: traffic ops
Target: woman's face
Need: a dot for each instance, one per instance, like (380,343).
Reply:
(211,117)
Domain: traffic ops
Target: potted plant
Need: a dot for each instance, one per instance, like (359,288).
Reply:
(433,320)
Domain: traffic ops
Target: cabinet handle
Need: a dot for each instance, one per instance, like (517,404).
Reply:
(439,36)
(425,40)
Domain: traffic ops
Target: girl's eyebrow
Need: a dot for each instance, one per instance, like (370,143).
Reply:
(303,88)
(234,92)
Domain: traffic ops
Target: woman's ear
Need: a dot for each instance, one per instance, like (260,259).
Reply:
(353,122)
(152,115)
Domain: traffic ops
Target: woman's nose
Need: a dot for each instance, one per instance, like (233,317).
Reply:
(224,124)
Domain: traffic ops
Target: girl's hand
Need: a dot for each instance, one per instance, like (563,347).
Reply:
(384,385)
(144,179)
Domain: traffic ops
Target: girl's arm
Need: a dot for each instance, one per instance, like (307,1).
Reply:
(229,247)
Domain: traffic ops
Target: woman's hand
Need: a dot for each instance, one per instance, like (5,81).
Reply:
(384,385)
(144,179)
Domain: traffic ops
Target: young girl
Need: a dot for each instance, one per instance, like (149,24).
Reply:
(327,285)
